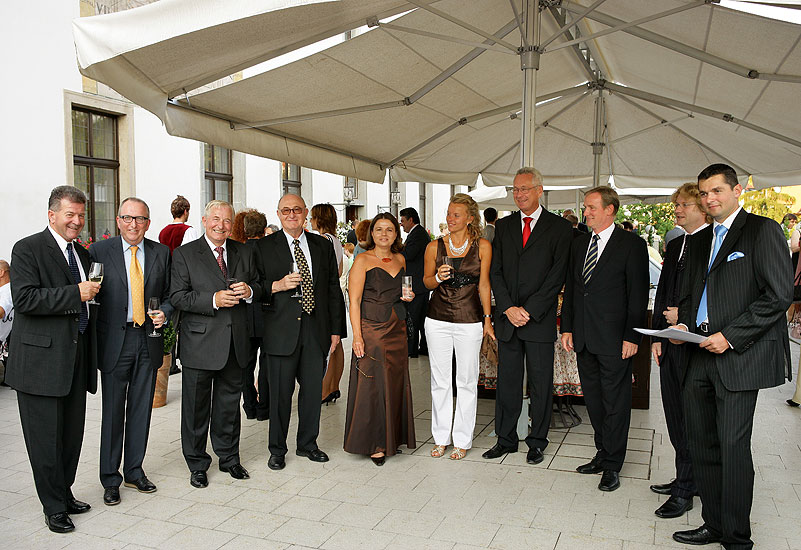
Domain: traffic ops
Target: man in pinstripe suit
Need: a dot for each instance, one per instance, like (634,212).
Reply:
(737,287)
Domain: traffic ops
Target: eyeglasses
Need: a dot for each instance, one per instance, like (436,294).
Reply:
(519,190)
(684,205)
(295,210)
(139,219)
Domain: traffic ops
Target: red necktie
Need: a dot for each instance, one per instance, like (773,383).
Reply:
(221,261)
(526,230)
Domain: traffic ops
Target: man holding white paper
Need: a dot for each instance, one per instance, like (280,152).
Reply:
(672,358)
(738,285)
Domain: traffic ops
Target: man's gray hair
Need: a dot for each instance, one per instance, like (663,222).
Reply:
(218,204)
(69,192)
(536,175)
(133,199)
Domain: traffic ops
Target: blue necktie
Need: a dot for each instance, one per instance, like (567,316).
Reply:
(703,314)
(83,321)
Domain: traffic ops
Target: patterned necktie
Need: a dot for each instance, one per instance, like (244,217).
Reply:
(83,319)
(306,284)
(221,261)
(703,313)
(526,230)
(591,260)
(683,256)
(137,289)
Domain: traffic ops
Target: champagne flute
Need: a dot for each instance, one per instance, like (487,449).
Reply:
(152,312)
(96,276)
(406,286)
(295,268)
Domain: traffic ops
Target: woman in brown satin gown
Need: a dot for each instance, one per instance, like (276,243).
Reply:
(380,416)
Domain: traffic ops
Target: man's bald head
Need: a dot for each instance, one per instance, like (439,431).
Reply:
(5,277)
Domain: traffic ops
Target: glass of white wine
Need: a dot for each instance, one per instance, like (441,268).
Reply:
(153,312)
(96,276)
(295,268)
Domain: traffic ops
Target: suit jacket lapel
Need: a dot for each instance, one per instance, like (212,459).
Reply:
(233,258)
(286,250)
(732,235)
(316,259)
(608,251)
(150,255)
(208,259)
(58,254)
(117,260)
(516,230)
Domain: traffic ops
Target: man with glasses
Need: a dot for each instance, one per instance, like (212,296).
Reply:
(672,358)
(135,269)
(304,317)
(529,260)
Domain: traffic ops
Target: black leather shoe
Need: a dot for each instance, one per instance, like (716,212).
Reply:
(534,456)
(378,460)
(498,450)
(793,403)
(674,507)
(143,485)
(237,471)
(262,417)
(250,415)
(199,479)
(111,496)
(610,480)
(702,535)
(315,455)
(59,523)
(75,506)
(276,462)
(663,488)
(591,467)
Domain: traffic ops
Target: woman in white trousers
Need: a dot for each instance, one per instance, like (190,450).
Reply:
(457,270)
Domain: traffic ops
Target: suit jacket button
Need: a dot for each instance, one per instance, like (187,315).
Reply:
(586,294)
(298,318)
(75,341)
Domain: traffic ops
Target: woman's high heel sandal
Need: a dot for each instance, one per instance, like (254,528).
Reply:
(332,398)
(438,451)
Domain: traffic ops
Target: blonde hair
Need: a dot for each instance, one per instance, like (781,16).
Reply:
(474,228)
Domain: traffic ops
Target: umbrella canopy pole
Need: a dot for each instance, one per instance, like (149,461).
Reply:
(529,64)
(598,143)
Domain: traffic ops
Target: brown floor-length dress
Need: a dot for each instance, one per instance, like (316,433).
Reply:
(380,416)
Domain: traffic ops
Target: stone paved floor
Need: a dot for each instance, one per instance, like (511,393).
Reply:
(412,502)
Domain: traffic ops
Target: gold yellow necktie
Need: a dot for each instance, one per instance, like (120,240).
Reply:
(137,289)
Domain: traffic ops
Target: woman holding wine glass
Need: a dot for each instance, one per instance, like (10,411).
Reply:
(380,416)
(457,269)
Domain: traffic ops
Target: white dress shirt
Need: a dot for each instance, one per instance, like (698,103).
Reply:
(534,217)
(304,246)
(725,223)
(603,239)
(140,256)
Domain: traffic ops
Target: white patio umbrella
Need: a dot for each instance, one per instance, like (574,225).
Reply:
(648,91)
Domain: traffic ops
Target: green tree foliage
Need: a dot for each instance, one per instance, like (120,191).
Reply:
(660,216)
(768,203)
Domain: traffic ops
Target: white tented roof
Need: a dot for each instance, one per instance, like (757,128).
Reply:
(704,84)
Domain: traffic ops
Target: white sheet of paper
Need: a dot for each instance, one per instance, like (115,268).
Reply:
(674,334)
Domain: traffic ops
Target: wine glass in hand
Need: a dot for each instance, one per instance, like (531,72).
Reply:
(96,276)
(298,289)
(230,281)
(153,312)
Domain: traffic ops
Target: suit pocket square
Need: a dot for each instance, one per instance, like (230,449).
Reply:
(735,256)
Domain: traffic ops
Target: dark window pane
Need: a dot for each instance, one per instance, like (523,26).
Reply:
(222,159)
(80,133)
(104,142)
(221,191)
(105,201)
(209,159)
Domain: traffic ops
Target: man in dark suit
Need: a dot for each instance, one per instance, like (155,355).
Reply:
(135,269)
(606,297)
(298,331)
(53,360)
(529,260)
(737,288)
(213,278)
(670,357)
(414,248)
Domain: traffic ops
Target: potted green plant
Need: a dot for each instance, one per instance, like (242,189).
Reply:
(163,376)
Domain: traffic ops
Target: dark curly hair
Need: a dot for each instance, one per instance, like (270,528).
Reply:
(397,246)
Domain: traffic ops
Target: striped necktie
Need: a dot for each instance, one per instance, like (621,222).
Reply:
(306,283)
(592,259)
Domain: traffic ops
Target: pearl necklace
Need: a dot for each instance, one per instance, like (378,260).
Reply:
(458,251)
